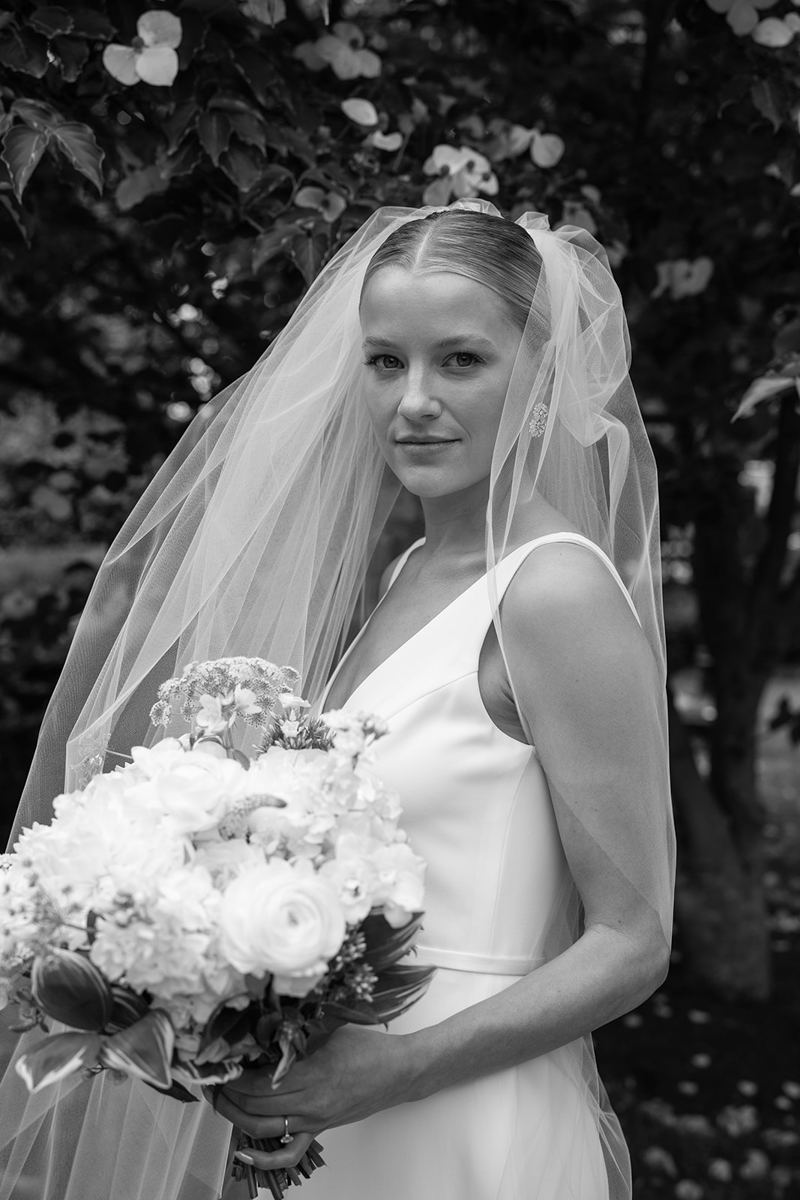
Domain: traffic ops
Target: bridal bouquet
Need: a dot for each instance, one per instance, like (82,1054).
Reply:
(195,911)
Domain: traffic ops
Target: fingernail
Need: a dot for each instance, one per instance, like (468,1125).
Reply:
(245,1158)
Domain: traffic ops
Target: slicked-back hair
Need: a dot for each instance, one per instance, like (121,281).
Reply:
(488,249)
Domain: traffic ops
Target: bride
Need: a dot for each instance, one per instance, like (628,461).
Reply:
(517,655)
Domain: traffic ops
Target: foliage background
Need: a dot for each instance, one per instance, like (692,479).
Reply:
(154,236)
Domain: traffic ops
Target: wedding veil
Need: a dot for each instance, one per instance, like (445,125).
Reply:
(255,538)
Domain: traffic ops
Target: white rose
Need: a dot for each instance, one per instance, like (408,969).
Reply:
(281,919)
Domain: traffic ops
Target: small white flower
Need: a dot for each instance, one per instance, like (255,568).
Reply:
(462,172)
(151,58)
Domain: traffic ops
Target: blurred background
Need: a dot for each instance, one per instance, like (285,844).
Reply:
(172,179)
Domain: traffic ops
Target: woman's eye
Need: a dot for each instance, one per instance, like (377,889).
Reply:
(384,362)
(463,358)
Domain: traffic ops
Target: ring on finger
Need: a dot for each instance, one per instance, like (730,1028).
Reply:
(287,1137)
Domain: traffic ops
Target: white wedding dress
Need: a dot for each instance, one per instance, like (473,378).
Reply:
(476,806)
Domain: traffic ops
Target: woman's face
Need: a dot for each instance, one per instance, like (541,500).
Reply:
(439,350)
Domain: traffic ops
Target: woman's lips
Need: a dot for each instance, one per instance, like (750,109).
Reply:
(436,447)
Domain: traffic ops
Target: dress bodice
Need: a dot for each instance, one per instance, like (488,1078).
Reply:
(476,804)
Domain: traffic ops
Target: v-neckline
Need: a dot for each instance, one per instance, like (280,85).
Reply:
(403,645)
(561,535)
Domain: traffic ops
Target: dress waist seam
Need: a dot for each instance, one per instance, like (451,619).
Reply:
(480,964)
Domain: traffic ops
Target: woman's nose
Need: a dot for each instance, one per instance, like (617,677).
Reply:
(417,402)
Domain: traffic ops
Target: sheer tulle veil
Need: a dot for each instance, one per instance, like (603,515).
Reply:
(254,539)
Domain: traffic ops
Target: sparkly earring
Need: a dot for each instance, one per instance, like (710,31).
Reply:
(538,421)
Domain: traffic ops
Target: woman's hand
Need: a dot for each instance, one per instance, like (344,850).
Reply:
(357,1072)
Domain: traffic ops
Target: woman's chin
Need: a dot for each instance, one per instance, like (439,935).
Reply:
(436,485)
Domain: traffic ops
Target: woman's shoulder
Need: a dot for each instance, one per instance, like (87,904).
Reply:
(566,589)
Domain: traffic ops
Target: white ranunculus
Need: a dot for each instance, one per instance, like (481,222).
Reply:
(281,919)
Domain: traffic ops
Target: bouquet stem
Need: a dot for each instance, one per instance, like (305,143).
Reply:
(277,1181)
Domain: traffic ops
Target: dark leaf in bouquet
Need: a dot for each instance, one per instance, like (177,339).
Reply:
(292,1041)
(257,986)
(209,1073)
(386,945)
(57,1058)
(144,1050)
(128,1008)
(69,988)
(178,1092)
(225,1026)
(360,1012)
(267,1029)
(398,989)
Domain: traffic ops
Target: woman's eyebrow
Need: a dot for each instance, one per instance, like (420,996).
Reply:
(459,339)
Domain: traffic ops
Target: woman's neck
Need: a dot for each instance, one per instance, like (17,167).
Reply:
(455,525)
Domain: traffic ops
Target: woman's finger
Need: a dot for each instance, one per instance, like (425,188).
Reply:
(254,1124)
(286,1156)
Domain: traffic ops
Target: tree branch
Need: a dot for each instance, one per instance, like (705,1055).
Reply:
(765,632)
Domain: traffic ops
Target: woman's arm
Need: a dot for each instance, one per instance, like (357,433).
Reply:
(587,689)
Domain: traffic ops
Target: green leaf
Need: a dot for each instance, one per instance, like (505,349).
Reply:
(241,166)
(16,217)
(228,1025)
(129,1007)
(767,100)
(268,245)
(214,130)
(360,1012)
(249,128)
(179,122)
(57,1058)
(386,945)
(77,142)
(143,1050)
(40,116)
(399,988)
(266,1028)
(137,186)
(25,51)
(211,1072)
(183,162)
(92,25)
(51,21)
(763,389)
(22,150)
(300,146)
(69,988)
(177,1092)
(72,54)
(258,71)
(307,251)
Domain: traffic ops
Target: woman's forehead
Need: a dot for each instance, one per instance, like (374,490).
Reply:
(395,294)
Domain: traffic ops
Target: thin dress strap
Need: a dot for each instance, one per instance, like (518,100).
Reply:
(403,559)
(518,556)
